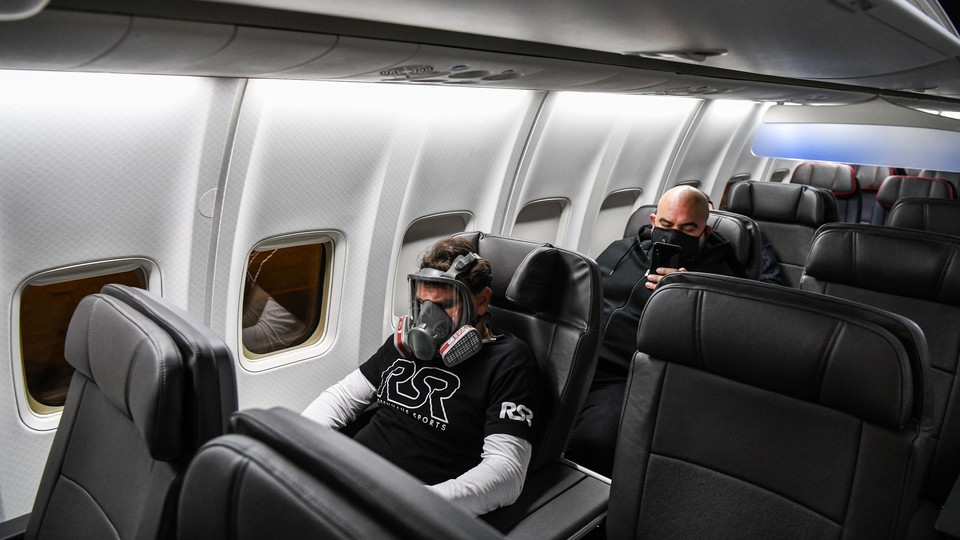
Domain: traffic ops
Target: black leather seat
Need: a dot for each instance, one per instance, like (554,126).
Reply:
(133,417)
(913,274)
(211,395)
(949,176)
(788,215)
(815,428)
(840,179)
(870,177)
(549,298)
(741,231)
(278,475)
(899,187)
(934,215)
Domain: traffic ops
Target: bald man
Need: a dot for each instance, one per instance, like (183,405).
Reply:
(628,280)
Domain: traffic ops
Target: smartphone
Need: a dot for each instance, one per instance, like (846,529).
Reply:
(664,255)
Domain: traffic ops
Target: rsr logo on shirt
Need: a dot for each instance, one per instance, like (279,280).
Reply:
(411,388)
(516,412)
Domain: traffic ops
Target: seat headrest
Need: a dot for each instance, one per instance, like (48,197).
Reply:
(871,177)
(639,218)
(385,492)
(907,263)
(212,397)
(522,270)
(843,355)
(742,233)
(934,215)
(135,364)
(785,203)
(898,187)
(840,179)
(952,177)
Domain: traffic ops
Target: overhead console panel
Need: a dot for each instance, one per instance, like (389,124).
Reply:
(852,41)
(770,62)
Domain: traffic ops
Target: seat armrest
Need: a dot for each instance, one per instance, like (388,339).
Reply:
(14,529)
(561,501)
(949,521)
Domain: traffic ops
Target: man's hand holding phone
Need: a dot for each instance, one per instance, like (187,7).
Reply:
(664,260)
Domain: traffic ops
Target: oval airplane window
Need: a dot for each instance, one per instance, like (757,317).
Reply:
(46,304)
(285,296)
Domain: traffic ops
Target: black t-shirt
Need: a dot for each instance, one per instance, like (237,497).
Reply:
(432,419)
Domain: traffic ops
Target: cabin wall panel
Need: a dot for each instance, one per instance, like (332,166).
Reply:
(586,146)
(98,167)
(716,142)
(364,160)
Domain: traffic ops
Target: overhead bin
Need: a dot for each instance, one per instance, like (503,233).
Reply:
(873,133)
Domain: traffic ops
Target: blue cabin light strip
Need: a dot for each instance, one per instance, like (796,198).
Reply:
(893,146)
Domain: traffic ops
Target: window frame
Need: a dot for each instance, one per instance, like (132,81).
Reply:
(329,308)
(48,417)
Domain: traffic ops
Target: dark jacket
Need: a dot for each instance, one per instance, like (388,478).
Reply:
(623,266)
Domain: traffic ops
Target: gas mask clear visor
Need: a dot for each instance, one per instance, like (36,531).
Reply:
(441,317)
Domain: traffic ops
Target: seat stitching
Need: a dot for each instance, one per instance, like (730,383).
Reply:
(94,500)
(749,483)
(291,484)
(943,272)
(856,470)
(825,358)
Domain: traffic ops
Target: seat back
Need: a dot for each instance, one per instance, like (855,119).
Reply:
(549,298)
(788,215)
(840,179)
(949,176)
(899,187)
(741,231)
(211,395)
(130,424)
(280,476)
(934,215)
(870,177)
(119,450)
(913,274)
(816,428)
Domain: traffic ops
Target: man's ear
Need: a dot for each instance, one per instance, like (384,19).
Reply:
(707,231)
(653,219)
(482,300)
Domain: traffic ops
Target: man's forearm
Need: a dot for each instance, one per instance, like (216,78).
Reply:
(496,481)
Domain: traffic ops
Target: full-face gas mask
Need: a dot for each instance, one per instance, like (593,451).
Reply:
(441,315)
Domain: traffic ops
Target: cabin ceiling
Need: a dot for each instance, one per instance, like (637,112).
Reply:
(816,51)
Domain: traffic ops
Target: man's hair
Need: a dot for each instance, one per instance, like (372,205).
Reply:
(442,254)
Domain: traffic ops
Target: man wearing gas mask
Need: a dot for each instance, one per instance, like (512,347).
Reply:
(456,401)
(628,280)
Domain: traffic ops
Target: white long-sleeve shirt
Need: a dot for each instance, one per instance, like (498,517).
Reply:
(494,482)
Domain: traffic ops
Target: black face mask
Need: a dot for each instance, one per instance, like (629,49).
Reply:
(689,245)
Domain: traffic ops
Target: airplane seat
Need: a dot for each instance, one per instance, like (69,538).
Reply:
(870,178)
(788,215)
(914,274)
(934,215)
(549,298)
(742,232)
(116,459)
(276,475)
(899,187)
(949,176)
(175,406)
(817,427)
(211,395)
(839,179)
